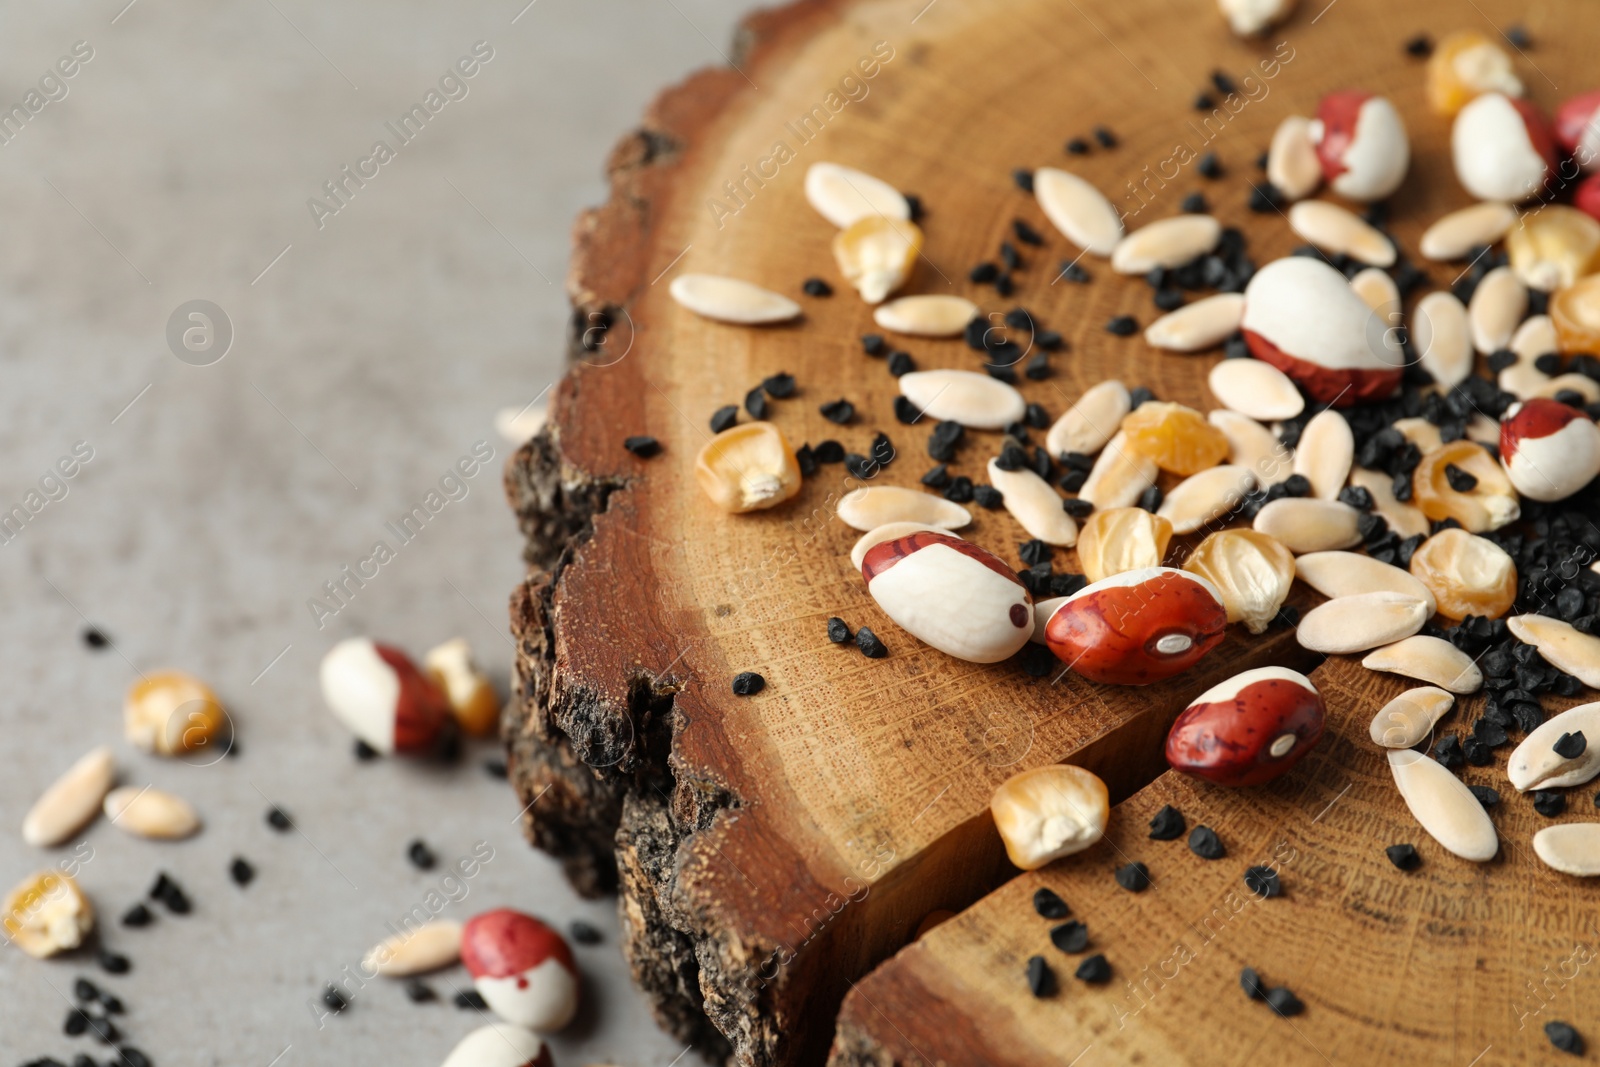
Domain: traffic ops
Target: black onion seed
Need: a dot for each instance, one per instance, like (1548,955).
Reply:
(1023,178)
(1285,1003)
(1420,46)
(76,1023)
(1250,982)
(1564,1037)
(1263,882)
(870,646)
(1025,233)
(94,639)
(138,915)
(84,989)
(420,855)
(817,287)
(1049,905)
(471,998)
(1549,802)
(1167,825)
(420,992)
(1106,138)
(1041,979)
(584,933)
(1135,877)
(495,768)
(779,386)
(1209,166)
(901,363)
(748,683)
(1077,147)
(755,402)
(838,411)
(363,752)
(1486,796)
(1204,842)
(838,630)
(1070,937)
(873,344)
(1095,969)
(241,872)
(983,273)
(278,819)
(114,963)
(1122,326)
(1403,856)
(642,446)
(1571,746)
(724,417)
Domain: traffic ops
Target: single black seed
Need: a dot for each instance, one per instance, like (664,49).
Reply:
(422,857)
(959,490)
(1486,796)
(1209,166)
(1123,326)
(870,646)
(471,998)
(132,1057)
(1095,970)
(1024,179)
(1194,204)
(1025,233)
(84,989)
(1460,480)
(873,344)
(112,1004)
(1203,102)
(1168,824)
(1477,753)
(82,1059)
(1049,905)
(1011,258)
(420,992)
(76,1023)
(1204,842)
(779,386)
(1034,552)
(748,683)
(138,915)
(1139,395)
(241,872)
(1357,496)
(1420,46)
(937,477)
(838,630)
(1106,138)
(1549,802)
(1564,1037)
(584,933)
(1070,937)
(1224,84)
(838,411)
(1018,319)
(755,402)
(1077,147)
(1261,161)
(1263,882)
(1518,37)
(987,496)
(114,963)
(495,768)
(1078,509)
(1041,979)
(817,287)
(1403,856)
(724,417)
(983,273)
(642,446)
(1571,746)
(1489,732)
(1150,499)
(1049,340)
(1038,367)
(1297,485)
(1500,359)
(905,411)
(278,819)
(1135,877)
(363,752)
(1072,272)
(901,363)
(104,1030)
(914,206)
(1285,1003)
(94,639)
(1250,982)
(1264,198)
(1169,299)
(1038,661)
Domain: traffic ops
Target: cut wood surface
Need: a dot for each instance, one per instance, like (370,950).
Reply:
(1452,963)
(771,849)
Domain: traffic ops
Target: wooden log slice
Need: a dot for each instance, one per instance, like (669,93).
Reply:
(769,850)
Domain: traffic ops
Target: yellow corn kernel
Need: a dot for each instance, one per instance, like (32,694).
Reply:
(47,913)
(170,713)
(1553,246)
(1118,540)
(1251,570)
(1465,65)
(1488,505)
(1575,311)
(876,254)
(747,468)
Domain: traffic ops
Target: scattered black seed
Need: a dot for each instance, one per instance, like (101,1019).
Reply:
(960,490)
(1194,204)
(1486,796)
(1070,937)
(104,1030)
(1169,299)
(94,639)
(1095,969)
(1448,751)
(1077,147)
(1139,396)
(1072,272)
(82,1059)
(1078,509)
(817,287)
(1049,905)
(1003,285)
(1224,84)
(132,1057)
(138,915)
(1010,257)
(937,477)
(1041,979)
(1489,732)
(987,496)
(1135,877)
(1357,496)
(901,363)
(1403,856)
(422,857)
(1168,824)
(870,646)
(914,206)
(84,989)
(1024,179)
(748,683)
(471,998)
(1250,982)
(905,411)
(241,872)
(1549,802)
(1285,1003)
(873,344)
(838,630)
(1037,661)
(642,446)
(1477,753)
(114,963)
(1571,746)
(1033,552)
(112,1004)
(76,1023)
(1461,481)
(1150,499)
(1519,37)
(755,402)
(363,752)
(1420,46)
(1204,842)
(779,386)
(170,893)
(1564,1037)
(724,417)
(1209,166)
(584,933)
(1123,326)
(1264,197)
(1106,138)
(839,411)
(278,819)
(1203,102)
(1263,882)
(420,992)
(495,768)
(1025,233)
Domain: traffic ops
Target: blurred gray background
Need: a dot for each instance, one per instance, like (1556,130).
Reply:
(371,348)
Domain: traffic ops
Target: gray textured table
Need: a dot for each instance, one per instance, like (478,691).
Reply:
(373,339)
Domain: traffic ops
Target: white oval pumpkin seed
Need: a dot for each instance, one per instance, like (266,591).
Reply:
(1303,524)
(712,296)
(1034,504)
(888,532)
(1340,232)
(1326,452)
(1118,477)
(1378,291)
(1498,305)
(1535,763)
(873,506)
(1535,337)
(963,396)
(1256,389)
(1166,243)
(1079,210)
(71,801)
(843,195)
(150,812)
(1441,334)
(1571,848)
(1408,718)
(1195,327)
(1522,380)
(427,948)
(1087,425)
(1458,233)
(1566,647)
(1347,574)
(1403,518)
(1252,445)
(1358,623)
(1292,164)
(1443,806)
(1206,496)
(1428,659)
(926,316)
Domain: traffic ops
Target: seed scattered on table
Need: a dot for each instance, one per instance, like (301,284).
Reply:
(170,893)
(1048,903)
(1094,970)
(724,417)
(1041,979)
(870,646)
(1250,982)
(1123,326)
(1070,937)
(333,998)
(1168,824)
(838,411)
(137,916)
(471,998)
(1263,882)
(241,871)
(1549,802)
(94,639)
(420,992)
(420,855)
(114,962)
(838,631)
(1135,877)
(584,933)
(1571,746)
(1204,842)
(1403,857)
(748,683)
(817,287)
(1564,1037)
(1486,796)
(1284,1002)
(642,446)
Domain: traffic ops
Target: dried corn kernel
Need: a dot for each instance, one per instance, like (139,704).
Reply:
(1575,311)
(1251,570)
(877,254)
(1467,574)
(1122,539)
(171,713)
(1177,438)
(1488,505)
(747,468)
(1553,246)
(47,913)
(1463,66)
(1049,812)
(471,695)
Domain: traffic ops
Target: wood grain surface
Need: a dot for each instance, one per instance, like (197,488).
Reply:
(770,850)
